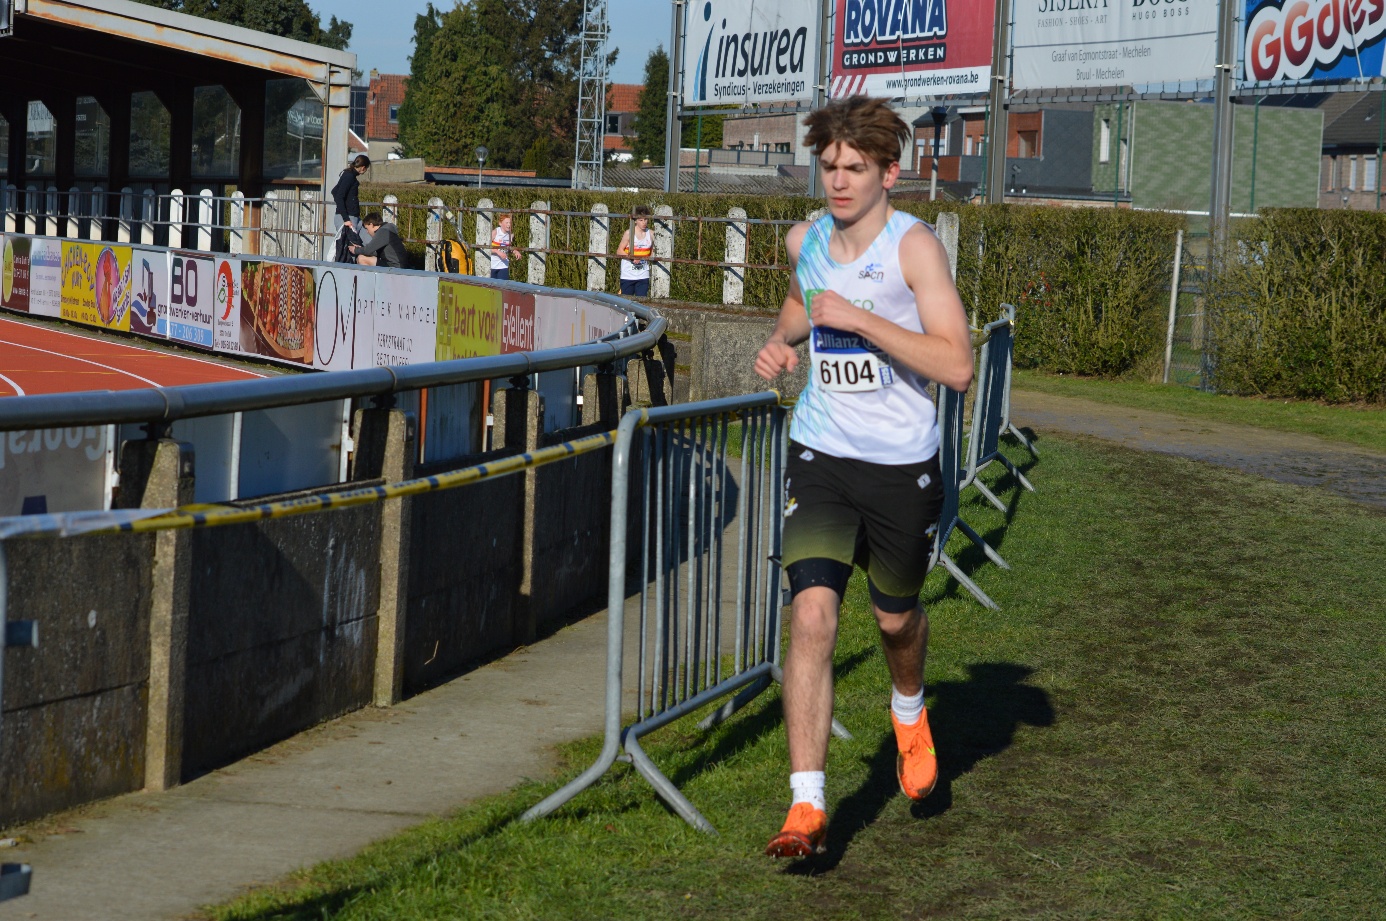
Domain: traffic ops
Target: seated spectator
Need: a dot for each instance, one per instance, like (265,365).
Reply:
(385,248)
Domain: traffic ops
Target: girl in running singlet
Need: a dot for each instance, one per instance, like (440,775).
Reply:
(501,249)
(856,396)
(637,243)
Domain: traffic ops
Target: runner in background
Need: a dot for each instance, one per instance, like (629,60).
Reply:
(872,292)
(501,249)
(636,245)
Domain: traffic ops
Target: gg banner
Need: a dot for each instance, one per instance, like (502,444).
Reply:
(745,53)
(1313,40)
(896,48)
(1086,43)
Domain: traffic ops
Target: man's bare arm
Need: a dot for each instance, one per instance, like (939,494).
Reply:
(793,325)
(943,352)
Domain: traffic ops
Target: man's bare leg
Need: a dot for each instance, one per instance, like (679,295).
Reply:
(808,677)
(905,640)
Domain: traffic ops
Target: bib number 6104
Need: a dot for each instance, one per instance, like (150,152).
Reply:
(848,372)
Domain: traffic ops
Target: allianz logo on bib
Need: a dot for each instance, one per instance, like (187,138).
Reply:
(874,271)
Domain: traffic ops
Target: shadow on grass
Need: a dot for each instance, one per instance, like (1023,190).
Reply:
(971,720)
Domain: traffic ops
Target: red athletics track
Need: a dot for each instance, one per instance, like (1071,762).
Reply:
(39,359)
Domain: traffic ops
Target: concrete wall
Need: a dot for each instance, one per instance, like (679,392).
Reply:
(194,648)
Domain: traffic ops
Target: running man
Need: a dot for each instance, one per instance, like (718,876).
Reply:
(872,292)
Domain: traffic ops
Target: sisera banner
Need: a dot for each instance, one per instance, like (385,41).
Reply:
(1091,43)
(1314,40)
(898,48)
(746,53)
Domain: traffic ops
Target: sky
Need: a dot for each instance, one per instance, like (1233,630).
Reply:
(382,34)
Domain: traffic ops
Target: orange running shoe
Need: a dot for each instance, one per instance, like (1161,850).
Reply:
(805,832)
(916,766)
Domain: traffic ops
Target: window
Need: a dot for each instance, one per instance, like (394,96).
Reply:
(782,147)
(1123,177)
(92,155)
(216,134)
(1104,142)
(293,131)
(613,123)
(394,114)
(1352,174)
(967,145)
(149,137)
(1028,144)
(1369,174)
(4,146)
(41,142)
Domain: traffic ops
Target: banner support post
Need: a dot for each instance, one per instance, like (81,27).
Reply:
(820,90)
(1223,114)
(673,126)
(996,149)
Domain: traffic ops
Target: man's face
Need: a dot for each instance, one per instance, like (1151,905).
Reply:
(853,183)
(372,228)
(505,224)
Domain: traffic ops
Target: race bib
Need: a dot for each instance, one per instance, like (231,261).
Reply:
(846,363)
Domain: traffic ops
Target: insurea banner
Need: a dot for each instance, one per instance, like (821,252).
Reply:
(1314,40)
(901,48)
(1091,43)
(744,53)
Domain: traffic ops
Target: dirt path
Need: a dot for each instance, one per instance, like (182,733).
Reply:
(1305,460)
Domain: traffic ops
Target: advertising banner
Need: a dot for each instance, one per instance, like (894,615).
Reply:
(277,311)
(342,333)
(149,299)
(226,306)
(46,471)
(14,273)
(96,285)
(517,322)
(896,48)
(469,320)
(1313,40)
(1090,43)
(555,322)
(746,53)
(406,320)
(45,277)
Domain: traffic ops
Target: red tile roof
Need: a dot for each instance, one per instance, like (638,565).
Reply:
(624,97)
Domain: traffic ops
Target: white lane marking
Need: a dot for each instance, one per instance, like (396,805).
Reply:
(59,332)
(18,390)
(34,348)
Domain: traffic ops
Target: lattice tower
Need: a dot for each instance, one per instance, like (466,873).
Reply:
(591,120)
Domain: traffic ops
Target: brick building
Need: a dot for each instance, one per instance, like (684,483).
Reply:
(384,95)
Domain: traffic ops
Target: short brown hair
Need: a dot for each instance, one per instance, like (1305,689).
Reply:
(869,125)
(373,219)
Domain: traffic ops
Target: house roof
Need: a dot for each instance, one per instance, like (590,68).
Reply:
(1352,119)
(385,90)
(624,97)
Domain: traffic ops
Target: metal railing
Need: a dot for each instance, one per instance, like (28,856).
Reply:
(707,609)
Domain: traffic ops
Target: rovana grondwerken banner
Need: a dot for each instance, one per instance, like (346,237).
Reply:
(898,48)
(1091,43)
(742,53)
(1313,40)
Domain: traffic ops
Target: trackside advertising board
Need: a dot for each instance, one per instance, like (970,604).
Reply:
(897,48)
(1314,40)
(1090,43)
(746,53)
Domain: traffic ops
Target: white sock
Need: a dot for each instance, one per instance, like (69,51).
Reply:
(906,707)
(808,788)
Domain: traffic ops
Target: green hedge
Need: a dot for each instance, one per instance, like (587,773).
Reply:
(1298,309)
(1089,284)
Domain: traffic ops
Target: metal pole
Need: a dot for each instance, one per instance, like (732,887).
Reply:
(1173,301)
(1223,113)
(672,124)
(1116,161)
(820,88)
(1380,142)
(996,153)
(933,169)
(698,156)
(1255,140)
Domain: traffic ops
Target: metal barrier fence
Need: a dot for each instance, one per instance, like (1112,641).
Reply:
(708,613)
(990,411)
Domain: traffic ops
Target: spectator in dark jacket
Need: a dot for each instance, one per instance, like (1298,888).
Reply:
(385,249)
(347,194)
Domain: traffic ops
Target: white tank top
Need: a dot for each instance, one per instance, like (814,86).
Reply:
(852,407)
(641,246)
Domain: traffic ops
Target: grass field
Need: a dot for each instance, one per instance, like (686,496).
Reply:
(1360,425)
(1176,714)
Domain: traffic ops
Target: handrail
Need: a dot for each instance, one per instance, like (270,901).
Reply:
(166,404)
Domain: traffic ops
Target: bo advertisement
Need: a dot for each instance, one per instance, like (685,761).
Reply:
(897,48)
(1090,43)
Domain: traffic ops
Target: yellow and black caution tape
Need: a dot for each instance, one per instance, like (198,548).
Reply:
(198,516)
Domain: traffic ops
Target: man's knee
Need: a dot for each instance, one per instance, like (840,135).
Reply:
(897,624)
(814,617)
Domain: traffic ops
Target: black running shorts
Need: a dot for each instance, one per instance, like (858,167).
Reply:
(841,512)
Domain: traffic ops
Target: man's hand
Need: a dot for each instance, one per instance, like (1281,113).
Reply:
(775,357)
(832,309)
